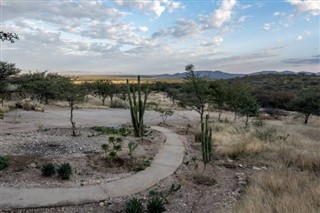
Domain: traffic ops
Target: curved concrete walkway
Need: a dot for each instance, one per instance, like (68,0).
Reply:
(164,164)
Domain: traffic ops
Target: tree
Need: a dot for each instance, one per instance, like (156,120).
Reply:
(197,90)
(102,89)
(218,96)
(307,102)
(242,102)
(71,93)
(6,36)
(6,71)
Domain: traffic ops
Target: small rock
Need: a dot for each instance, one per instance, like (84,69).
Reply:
(240,166)
(229,160)
(256,168)
(264,168)
(101,204)
(33,165)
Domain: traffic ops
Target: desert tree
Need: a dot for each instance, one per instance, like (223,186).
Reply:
(7,70)
(247,106)
(218,96)
(307,102)
(102,89)
(6,36)
(196,90)
(73,94)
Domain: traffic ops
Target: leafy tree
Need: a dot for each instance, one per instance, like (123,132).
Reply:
(6,36)
(307,102)
(242,102)
(71,93)
(197,90)
(103,88)
(6,71)
(218,96)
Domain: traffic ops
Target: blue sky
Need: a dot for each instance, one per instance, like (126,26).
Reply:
(162,36)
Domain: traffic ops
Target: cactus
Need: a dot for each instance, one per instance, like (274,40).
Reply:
(206,141)
(137,108)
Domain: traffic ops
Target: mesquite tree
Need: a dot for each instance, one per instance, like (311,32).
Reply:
(137,107)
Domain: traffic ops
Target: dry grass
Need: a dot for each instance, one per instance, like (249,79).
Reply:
(281,192)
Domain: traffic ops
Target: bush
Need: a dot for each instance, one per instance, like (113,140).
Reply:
(134,205)
(64,171)
(156,205)
(4,162)
(48,170)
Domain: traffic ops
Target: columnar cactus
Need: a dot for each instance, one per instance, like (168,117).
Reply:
(206,141)
(137,108)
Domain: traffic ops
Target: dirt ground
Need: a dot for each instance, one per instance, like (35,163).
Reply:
(220,188)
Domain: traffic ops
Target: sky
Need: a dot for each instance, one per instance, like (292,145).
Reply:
(162,36)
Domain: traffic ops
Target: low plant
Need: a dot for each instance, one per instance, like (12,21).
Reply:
(165,195)
(111,131)
(266,134)
(156,205)
(64,171)
(112,148)
(134,205)
(4,162)
(132,145)
(48,170)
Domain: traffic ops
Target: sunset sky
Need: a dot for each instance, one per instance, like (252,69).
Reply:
(162,36)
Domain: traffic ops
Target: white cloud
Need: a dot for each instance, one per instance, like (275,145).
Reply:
(242,19)
(267,26)
(155,6)
(299,38)
(216,41)
(143,29)
(281,14)
(311,6)
(307,32)
(223,14)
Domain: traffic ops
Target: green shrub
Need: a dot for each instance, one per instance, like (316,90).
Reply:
(4,162)
(112,148)
(132,145)
(48,170)
(266,134)
(134,205)
(64,171)
(156,205)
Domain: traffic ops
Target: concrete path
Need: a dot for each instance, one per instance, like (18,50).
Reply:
(164,164)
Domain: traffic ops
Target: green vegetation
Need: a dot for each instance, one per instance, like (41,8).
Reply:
(111,131)
(64,171)
(206,141)
(112,148)
(137,108)
(134,205)
(132,145)
(156,205)
(4,162)
(48,170)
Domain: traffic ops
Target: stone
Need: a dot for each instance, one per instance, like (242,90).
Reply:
(33,165)
(264,168)
(256,168)
(240,165)
(101,204)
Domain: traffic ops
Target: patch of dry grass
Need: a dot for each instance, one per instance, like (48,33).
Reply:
(281,192)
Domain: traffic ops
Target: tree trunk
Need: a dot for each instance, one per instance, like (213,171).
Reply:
(219,116)
(247,120)
(111,97)
(73,123)
(306,118)
(103,100)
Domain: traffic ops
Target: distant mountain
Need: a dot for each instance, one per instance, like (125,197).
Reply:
(205,73)
(223,75)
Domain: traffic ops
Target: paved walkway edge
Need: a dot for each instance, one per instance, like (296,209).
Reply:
(165,163)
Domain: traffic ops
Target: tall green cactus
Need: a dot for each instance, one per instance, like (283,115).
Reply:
(206,141)
(137,108)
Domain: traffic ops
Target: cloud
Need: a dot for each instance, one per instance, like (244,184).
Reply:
(312,7)
(242,19)
(223,14)
(216,41)
(299,38)
(156,7)
(314,60)
(267,26)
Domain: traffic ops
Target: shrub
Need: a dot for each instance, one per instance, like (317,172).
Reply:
(156,205)
(64,171)
(4,162)
(132,146)
(48,170)
(112,147)
(134,205)
(267,134)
